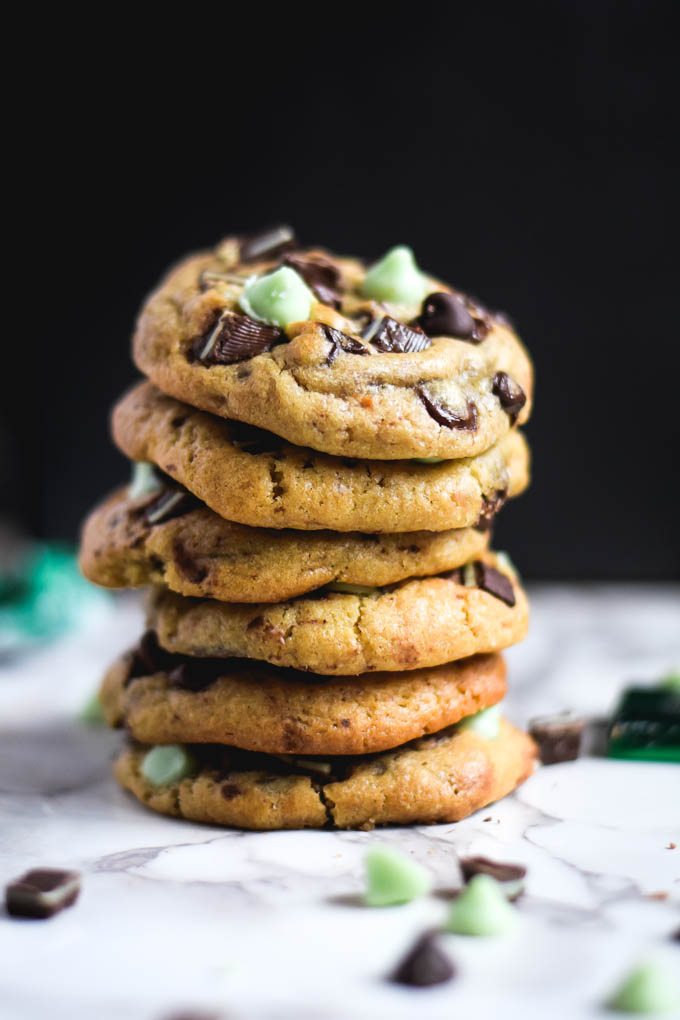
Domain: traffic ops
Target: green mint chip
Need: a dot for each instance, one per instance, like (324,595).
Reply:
(650,988)
(167,763)
(481,908)
(396,278)
(393,878)
(486,723)
(277,298)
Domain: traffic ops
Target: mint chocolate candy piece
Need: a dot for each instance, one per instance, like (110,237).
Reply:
(424,965)
(267,244)
(559,737)
(41,893)
(340,341)
(511,395)
(233,338)
(443,415)
(494,583)
(393,337)
(646,725)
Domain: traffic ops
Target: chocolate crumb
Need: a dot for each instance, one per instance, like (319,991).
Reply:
(443,415)
(559,737)
(424,965)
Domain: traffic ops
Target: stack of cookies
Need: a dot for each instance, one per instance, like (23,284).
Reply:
(319,450)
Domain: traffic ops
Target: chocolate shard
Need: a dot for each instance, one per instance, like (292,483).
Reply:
(340,341)
(559,737)
(41,893)
(494,583)
(320,274)
(510,393)
(393,337)
(169,504)
(490,507)
(267,244)
(443,415)
(444,314)
(233,338)
(424,965)
(509,875)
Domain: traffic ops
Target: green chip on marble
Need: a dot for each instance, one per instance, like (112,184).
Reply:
(167,763)
(393,878)
(651,988)
(396,278)
(481,908)
(277,298)
(486,723)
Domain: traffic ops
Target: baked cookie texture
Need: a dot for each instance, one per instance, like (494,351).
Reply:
(200,554)
(253,478)
(421,622)
(442,778)
(262,708)
(348,399)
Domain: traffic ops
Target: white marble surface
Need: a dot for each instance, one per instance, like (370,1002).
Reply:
(175,916)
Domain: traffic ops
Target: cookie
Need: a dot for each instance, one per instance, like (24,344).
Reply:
(254,478)
(125,544)
(418,623)
(383,376)
(442,778)
(262,708)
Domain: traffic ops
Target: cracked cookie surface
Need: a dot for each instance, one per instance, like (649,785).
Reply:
(421,622)
(441,778)
(261,708)
(202,555)
(380,406)
(254,478)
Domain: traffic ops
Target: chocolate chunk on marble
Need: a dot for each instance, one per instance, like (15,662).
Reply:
(340,341)
(267,244)
(234,338)
(510,393)
(42,893)
(393,337)
(444,415)
(424,965)
(559,737)
(510,876)
(494,583)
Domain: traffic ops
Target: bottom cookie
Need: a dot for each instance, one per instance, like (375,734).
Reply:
(440,778)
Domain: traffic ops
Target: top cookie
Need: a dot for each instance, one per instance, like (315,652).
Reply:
(385,363)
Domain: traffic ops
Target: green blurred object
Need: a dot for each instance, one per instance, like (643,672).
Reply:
(646,725)
(92,713)
(42,597)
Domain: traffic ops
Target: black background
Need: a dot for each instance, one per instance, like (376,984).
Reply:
(527,153)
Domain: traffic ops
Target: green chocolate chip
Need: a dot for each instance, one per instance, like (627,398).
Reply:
(650,988)
(395,278)
(392,878)
(481,908)
(278,298)
(144,481)
(167,763)
(91,714)
(672,681)
(486,723)
(351,589)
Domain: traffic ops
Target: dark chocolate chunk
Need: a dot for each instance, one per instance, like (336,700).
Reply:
(494,583)
(320,274)
(425,964)
(233,338)
(490,507)
(267,244)
(197,674)
(511,395)
(480,330)
(42,892)
(509,875)
(169,504)
(393,337)
(187,565)
(445,314)
(149,658)
(230,790)
(253,440)
(558,737)
(443,415)
(342,342)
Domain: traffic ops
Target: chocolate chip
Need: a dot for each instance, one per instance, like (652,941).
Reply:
(509,875)
(490,507)
(480,331)
(342,342)
(494,583)
(511,395)
(41,893)
(393,337)
(425,964)
(559,737)
(187,565)
(230,790)
(196,674)
(318,273)
(169,504)
(445,314)
(233,338)
(267,244)
(252,440)
(443,415)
